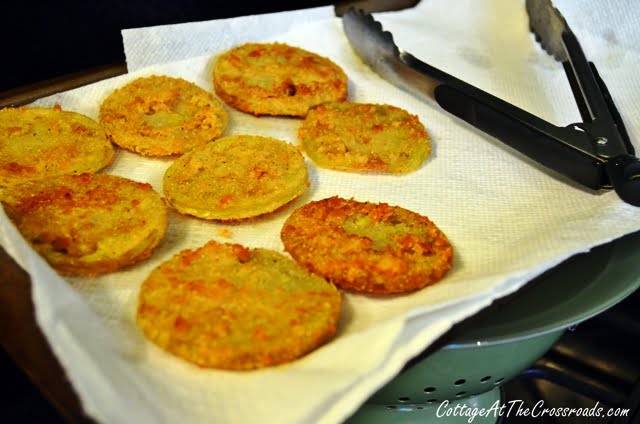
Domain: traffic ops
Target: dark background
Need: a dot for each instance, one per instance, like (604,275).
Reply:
(41,40)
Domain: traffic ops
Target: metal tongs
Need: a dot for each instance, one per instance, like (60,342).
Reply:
(596,153)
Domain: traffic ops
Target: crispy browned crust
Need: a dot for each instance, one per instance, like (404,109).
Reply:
(364,137)
(277,79)
(161,116)
(226,306)
(88,224)
(38,143)
(367,247)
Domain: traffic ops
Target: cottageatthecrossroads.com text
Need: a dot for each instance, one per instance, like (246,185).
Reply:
(517,408)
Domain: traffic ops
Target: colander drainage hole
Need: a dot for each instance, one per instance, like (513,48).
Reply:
(402,408)
(430,401)
(485,379)
(404,399)
(460,394)
(429,389)
(498,381)
(460,382)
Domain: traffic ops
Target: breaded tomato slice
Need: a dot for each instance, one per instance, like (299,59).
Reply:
(162,116)
(277,79)
(364,137)
(225,306)
(88,224)
(367,247)
(37,143)
(236,177)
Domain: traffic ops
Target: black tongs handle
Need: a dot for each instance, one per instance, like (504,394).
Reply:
(526,133)
(624,172)
(602,121)
(596,153)
(564,150)
(623,169)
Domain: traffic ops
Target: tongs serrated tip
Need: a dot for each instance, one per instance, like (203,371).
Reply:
(368,37)
(547,24)
(378,49)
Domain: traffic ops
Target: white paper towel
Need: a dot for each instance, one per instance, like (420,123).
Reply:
(143,47)
(508,219)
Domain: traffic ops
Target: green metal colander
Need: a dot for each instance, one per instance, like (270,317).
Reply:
(503,340)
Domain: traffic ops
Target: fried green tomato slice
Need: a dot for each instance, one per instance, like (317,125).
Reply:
(367,247)
(364,137)
(225,306)
(236,177)
(88,224)
(37,143)
(162,116)
(277,79)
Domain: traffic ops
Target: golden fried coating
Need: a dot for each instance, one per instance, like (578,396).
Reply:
(88,224)
(162,116)
(40,143)
(367,247)
(226,306)
(364,137)
(236,177)
(277,79)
